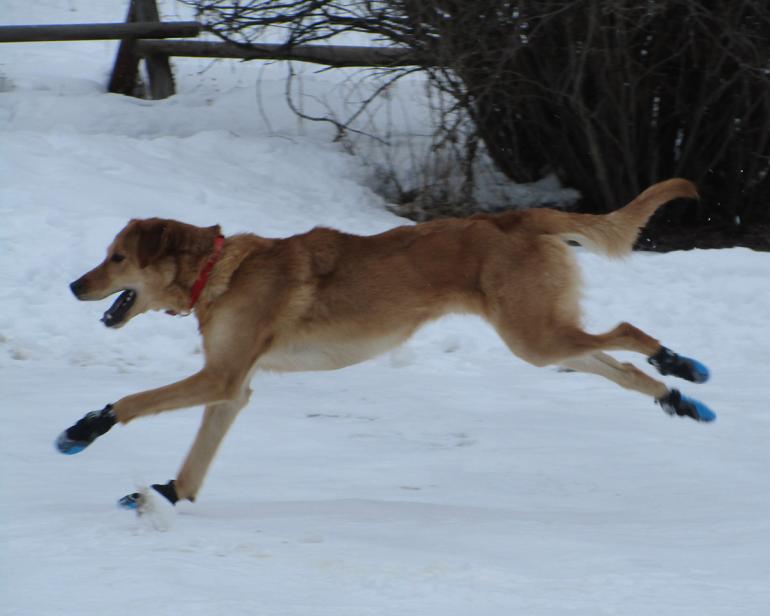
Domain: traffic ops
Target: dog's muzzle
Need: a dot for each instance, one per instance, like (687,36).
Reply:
(117,312)
(77,288)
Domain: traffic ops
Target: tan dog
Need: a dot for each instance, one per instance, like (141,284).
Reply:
(325,299)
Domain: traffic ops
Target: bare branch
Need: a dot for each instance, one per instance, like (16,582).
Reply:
(611,95)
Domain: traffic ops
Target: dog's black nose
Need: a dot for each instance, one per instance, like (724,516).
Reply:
(77,287)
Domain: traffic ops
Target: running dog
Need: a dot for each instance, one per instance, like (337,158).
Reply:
(324,299)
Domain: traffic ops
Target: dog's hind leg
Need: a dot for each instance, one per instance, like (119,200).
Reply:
(557,343)
(626,337)
(537,314)
(629,338)
(538,317)
(544,339)
(552,341)
(630,377)
(624,374)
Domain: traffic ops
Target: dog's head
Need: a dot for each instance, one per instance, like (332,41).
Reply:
(152,263)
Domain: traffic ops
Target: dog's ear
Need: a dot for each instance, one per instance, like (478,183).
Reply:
(156,239)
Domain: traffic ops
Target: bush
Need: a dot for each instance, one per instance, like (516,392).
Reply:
(608,95)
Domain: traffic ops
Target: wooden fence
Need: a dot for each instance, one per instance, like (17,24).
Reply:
(144,38)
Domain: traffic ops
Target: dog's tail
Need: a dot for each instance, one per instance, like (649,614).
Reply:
(610,234)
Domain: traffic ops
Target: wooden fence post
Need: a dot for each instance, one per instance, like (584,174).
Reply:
(125,73)
(126,68)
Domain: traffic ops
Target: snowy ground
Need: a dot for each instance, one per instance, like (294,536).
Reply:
(445,479)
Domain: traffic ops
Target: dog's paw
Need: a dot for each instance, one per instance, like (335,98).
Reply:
(153,511)
(67,446)
(667,363)
(130,501)
(80,435)
(677,404)
(134,501)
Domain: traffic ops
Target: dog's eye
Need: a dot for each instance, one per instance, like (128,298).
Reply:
(116,258)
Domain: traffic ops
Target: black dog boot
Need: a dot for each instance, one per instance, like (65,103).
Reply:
(76,438)
(674,403)
(667,362)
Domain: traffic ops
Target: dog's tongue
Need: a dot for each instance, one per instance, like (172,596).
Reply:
(117,312)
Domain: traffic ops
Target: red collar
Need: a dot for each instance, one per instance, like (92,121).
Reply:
(203,276)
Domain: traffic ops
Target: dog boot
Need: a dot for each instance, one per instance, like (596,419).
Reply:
(674,403)
(667,362)
(167,490)
(76,438)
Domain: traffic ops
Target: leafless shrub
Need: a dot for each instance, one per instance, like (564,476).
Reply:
(609,95)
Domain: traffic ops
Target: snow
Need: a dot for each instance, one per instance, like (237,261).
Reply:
(446,478)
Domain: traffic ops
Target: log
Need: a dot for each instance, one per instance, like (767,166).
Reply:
(338,56)
(103,31)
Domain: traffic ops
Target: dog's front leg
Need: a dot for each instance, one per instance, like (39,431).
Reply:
(217,419)
(230,355)
(231,350)
(229,358)
(209,386)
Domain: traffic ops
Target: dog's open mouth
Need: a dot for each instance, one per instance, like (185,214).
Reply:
(119,309)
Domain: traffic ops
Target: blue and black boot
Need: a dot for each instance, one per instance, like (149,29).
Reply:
(79,436)
(167,490)
(667,362)
(674,403)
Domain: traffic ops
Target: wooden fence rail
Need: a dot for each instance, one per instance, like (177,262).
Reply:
(329,55)
(90,32)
